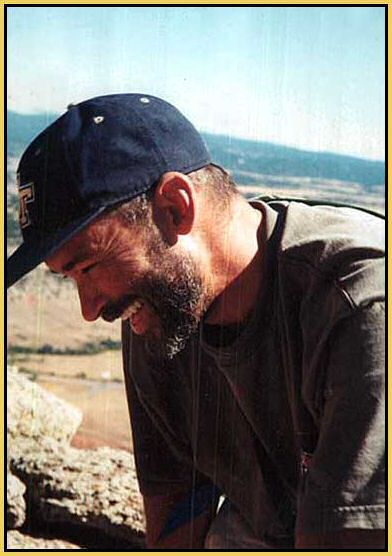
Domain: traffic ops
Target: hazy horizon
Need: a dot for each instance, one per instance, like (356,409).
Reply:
(311,78)
(234,137)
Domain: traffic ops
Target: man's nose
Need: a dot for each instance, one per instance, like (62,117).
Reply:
(92,302)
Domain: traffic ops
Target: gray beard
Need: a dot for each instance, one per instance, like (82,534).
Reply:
(180,305)
(175,291)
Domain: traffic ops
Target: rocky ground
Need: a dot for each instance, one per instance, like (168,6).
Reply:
(58,496)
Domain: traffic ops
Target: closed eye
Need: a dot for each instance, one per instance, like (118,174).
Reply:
(87,269)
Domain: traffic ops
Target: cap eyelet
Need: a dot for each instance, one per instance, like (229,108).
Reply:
(98,119)
(144,100)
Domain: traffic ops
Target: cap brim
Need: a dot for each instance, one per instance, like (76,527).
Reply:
(29,255)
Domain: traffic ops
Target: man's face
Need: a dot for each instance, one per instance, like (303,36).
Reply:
(127,271)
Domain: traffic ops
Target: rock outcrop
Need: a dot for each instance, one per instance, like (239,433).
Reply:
(19,541)
(36,413)
(86,498)
(92,488)
(16,504)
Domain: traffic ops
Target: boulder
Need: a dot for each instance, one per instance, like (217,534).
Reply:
(90,498)
(34,412)
(20,541)
(93,489)
(16,505)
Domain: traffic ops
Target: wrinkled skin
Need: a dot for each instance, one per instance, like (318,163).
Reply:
(113,264)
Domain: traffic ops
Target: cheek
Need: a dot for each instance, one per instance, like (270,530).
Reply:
(118,278)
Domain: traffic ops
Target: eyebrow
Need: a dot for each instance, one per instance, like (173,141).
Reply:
(66,268)
(69,266)
(81,257)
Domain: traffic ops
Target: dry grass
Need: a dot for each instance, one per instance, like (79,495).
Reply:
(104,407)
(44,309)
(105,366)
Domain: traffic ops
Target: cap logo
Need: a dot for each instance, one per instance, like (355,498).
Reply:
(26,196)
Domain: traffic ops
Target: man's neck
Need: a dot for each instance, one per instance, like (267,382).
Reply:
(236,267)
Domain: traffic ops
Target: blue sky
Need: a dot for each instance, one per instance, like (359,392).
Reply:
(310,77)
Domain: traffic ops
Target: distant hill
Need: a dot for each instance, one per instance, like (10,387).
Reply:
(21,129)
(248,160)
(244,158)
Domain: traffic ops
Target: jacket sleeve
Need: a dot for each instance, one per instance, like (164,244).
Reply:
(344,483)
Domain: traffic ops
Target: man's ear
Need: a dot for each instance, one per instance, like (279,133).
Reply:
(174,205)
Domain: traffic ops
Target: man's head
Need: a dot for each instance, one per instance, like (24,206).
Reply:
(99,154)
(143,261)
(109,195)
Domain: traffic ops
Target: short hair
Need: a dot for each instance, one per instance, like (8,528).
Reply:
(137,210)
(213,180)
(216,181)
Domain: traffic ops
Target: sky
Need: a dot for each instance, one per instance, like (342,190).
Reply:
(308,77)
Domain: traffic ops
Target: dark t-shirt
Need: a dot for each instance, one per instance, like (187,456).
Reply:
(286,417)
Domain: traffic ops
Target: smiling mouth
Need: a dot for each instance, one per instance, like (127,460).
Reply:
(114,310)
(132,309)
(141,316)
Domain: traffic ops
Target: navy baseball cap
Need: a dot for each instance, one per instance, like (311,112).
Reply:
(100,153)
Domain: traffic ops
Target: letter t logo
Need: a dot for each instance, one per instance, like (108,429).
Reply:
(26,195)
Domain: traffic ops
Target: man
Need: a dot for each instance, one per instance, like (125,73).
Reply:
(252,334)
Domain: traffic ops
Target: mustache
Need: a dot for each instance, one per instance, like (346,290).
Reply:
(114,310)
